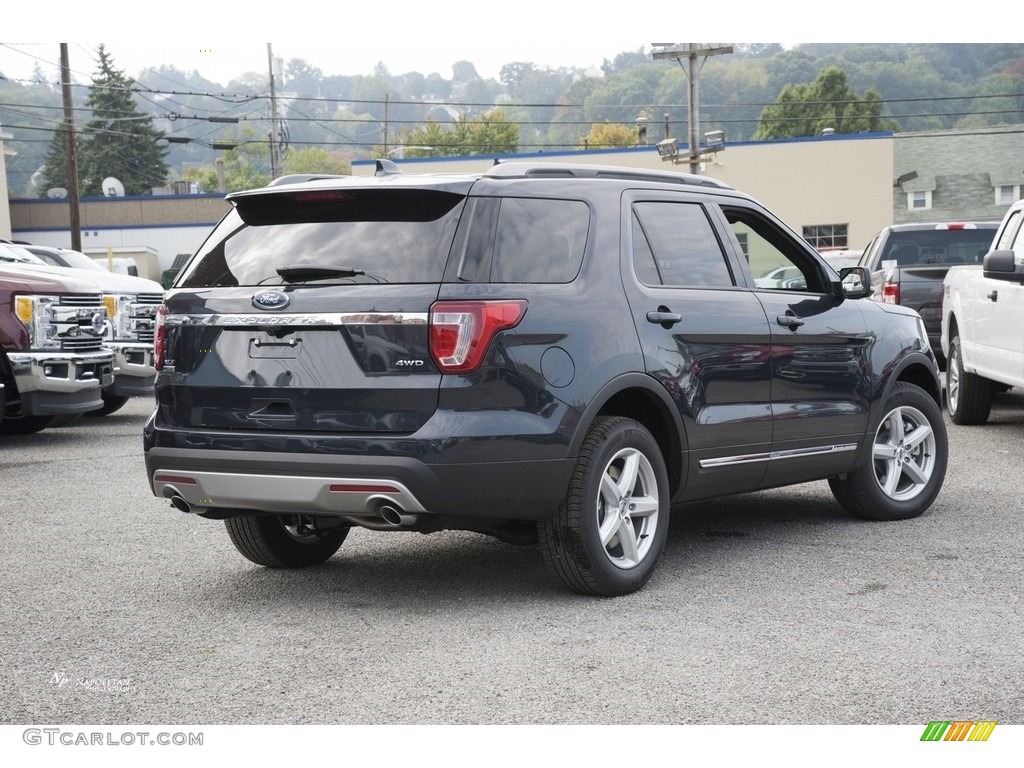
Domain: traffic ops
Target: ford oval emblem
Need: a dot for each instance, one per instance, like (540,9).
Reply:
(270,300)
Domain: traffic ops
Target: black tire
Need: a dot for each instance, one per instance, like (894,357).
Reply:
(283,541)
(111,403)
(584,543)
(968,396)
(25,425)
(903,472)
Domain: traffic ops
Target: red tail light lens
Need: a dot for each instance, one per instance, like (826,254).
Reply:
(460,331)
(891,293)
(159,337)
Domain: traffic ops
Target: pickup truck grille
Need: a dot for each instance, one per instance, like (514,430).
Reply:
(79,323)
(143,317)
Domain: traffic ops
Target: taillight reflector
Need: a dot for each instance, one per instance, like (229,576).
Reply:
(159,337)
(460,331)
(174,479)
(356,488)
(891,293)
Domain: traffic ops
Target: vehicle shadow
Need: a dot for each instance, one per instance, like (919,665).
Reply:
(452,570)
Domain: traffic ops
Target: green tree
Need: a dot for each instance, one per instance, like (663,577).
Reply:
(119,141)
(247,166)
(828,102)
(486,134)
(609,135)
(55,166)
(315,160)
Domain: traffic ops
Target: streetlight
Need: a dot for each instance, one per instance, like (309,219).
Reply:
(399,152)
(691,51)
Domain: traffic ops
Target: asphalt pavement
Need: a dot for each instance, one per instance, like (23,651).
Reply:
(767,608)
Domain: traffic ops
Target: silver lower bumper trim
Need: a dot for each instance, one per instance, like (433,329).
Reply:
(284,494)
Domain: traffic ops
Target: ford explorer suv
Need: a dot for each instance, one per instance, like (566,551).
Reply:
(544,353)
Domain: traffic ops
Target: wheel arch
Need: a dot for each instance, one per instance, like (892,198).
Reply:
(640,397)
(917,369)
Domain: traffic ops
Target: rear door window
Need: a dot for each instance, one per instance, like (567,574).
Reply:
(674,244)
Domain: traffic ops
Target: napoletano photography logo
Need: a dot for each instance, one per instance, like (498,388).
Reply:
(958,730)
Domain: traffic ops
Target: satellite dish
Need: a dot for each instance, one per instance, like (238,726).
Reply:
(112,187)
(56,193)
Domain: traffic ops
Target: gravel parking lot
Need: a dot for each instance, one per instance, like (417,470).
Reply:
(767,608)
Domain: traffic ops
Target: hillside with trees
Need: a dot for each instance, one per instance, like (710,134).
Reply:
(759,91)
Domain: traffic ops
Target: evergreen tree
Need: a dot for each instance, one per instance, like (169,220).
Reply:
(119,141)
(55,166)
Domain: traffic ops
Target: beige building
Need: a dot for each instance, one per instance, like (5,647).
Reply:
(831,184)
(836,191)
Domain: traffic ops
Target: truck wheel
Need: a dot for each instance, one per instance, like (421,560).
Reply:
(111,403)
(25,425)
(283,541)
(608,534)
(903,473)
(968,396)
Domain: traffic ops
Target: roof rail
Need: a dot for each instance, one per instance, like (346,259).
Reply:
(515,169)
(298,178)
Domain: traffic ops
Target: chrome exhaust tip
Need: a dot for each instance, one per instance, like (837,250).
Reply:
(396,516)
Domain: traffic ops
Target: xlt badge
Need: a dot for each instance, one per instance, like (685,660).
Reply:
(270,300)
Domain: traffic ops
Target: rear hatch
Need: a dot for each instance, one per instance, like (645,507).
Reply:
(307,308)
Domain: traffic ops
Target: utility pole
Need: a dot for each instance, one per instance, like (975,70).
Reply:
(72,153)
(386,102)
(692,51)
(275,148)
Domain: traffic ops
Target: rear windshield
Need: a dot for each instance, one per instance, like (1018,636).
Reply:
(366,236)
(939,246)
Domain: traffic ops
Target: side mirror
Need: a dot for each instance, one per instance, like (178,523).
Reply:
(1001,265)
(854,283)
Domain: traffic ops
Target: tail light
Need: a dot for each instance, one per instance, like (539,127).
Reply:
(891,293)
(460,331)
(159,337)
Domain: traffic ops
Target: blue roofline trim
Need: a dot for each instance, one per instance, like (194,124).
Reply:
(581,153)
(64,200)
(118,228)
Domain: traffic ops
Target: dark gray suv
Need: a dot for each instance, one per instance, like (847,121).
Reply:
(542,353)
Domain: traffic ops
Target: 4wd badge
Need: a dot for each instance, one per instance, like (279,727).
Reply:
(270,300)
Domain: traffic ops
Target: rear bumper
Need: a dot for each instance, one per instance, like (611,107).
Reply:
(313,484)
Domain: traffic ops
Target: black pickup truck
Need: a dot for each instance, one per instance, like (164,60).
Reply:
(908,263)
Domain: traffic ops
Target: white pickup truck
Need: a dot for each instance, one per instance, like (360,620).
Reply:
(983,324)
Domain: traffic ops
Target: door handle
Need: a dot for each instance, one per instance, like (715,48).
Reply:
(789,321)
(664,317)
(994,296)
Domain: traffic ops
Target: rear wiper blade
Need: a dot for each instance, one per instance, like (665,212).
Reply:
(298,274)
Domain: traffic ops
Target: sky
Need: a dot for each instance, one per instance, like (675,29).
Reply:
(221,42)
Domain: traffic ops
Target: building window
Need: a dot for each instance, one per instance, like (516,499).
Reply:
(742,238)
(825,237)
(1007,194)
(920,200)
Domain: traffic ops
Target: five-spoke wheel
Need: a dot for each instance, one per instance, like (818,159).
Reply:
(609,532)
(903,473)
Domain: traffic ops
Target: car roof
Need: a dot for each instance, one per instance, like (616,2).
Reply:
(389,172)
